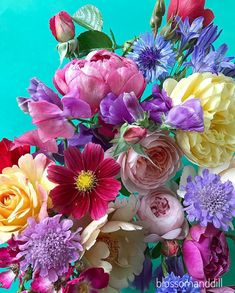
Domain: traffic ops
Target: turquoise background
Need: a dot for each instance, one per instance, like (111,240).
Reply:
(27,49)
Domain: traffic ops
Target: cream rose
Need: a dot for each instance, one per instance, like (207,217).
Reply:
(23,193)
(217,94)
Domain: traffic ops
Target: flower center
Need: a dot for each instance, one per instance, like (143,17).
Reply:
(6,199)
(85,181)
(160,206)
(83,288)
(149,57)
(113,246)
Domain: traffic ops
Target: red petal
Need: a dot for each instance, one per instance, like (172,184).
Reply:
(61,175)
(93,155)
(63,195)
(81,206)
(73,159)
(98,207)
(208,16)
(108,189)
(108,168)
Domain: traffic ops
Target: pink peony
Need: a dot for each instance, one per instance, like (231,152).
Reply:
(162,214)
(206,253)
(142,174)
(100,73)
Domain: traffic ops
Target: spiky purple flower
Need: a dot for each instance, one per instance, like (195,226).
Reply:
(209,200)
(49,247)
(153,55)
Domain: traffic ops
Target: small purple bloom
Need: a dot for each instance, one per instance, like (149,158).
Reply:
(174,264)
(208,36)
(38,92)
(159,104)
(153,55)
(209,200)
(117,110)
(187,116)
(143,280)
(49,247)
(189,32)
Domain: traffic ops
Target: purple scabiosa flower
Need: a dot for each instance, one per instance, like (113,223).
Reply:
(209,200)
(187,116)
(214,61)
(49,247)
(158,105)
(189,31)
(38,92)
(173,284)
(153,55)
(208,36)
(124,108)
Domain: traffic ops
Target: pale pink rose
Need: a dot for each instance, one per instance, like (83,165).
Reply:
(162,214)
(100,73)
(142,174)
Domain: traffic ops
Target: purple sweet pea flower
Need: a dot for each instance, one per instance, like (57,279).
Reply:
(187,116)
(38,92)
(124,108)
(160,104)
(174,264)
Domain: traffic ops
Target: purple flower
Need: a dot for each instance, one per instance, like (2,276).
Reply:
(187,116)
(153,55)
(208,36)
(159,104)
(209,200)
(38,92)
(174,264)
(124,108)
(189,32)
(142,281)
(49,247)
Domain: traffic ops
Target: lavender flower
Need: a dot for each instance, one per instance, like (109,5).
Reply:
(38,92)
(172,284)
(187,116)
(153,56)
(124,108)
(189,32)
(159,105)
(209,200)
(49,247)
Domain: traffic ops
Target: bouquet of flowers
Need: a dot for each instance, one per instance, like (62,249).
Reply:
(114,177)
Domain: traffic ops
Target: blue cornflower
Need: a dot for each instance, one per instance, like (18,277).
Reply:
(176,284)
(154,56)
(189,31)
(209,200)
(208,36)
(214,61)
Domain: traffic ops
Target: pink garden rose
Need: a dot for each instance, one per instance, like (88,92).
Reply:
(142,174)
(162,215)
(100,73)
(206,253)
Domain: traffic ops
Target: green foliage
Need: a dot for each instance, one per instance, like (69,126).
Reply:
(89,17)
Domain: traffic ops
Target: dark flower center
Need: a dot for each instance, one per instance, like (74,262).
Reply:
(160,206)
(149,57)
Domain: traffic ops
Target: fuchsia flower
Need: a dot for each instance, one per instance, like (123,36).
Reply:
(100,73)
(86,183)
(90,281)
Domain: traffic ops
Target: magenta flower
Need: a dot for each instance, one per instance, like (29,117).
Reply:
(90,281)
(86,183)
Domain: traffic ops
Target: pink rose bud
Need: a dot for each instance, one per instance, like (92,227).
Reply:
(170,247)
(62,27)
(134,134)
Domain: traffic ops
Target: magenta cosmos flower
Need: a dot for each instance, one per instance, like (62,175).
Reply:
(86,183)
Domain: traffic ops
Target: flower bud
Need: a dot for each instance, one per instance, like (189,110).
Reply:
(62,27)
(170,247)
(158,13)
(134,134)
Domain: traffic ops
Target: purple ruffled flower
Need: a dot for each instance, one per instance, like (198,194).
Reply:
(49,247)
(124,108)
(187,116)
(160,104)
(209,200)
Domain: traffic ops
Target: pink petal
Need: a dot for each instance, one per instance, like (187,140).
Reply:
(97,277)
(93,155)
(6,279)
(108,168)
(42,285)
(108,188)
(63,195)
(73,159)
(81,206)
(60,175)
(98,207)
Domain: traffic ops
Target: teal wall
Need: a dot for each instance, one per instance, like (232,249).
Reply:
(27,49)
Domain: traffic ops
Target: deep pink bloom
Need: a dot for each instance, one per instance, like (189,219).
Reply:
(86,183)
(100,73)
(62,27)
(206,253)
(6,279)
(134,134)
(42,285)
(90,281)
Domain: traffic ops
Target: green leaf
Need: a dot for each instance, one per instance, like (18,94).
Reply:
(67,49)
(124,191)
(92,40)
(156,251)
(89,17)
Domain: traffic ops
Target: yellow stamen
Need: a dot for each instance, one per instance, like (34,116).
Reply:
(85,181)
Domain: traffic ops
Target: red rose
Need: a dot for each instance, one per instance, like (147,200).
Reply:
(191,8)
(9,156)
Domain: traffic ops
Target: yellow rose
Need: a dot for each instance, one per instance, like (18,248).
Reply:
(24,193)
(217,94)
